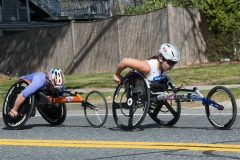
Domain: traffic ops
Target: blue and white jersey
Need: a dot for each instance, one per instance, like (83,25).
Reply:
(155,74)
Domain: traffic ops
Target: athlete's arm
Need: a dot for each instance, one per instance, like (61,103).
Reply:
(38,81)
(139,65)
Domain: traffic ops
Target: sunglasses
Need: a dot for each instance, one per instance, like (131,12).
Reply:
(171,63)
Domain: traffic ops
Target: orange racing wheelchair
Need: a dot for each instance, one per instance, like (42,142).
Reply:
(52,106)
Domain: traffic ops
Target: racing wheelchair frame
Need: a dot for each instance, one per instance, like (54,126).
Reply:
(134,99)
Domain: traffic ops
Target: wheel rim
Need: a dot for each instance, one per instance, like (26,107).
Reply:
(221,119)
(131,102)
(57,118)
(96,114)
(24,110)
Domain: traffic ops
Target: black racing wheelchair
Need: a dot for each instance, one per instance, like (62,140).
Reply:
(136,97)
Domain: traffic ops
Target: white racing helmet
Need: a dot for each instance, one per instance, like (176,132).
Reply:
(56,78)
(169,52)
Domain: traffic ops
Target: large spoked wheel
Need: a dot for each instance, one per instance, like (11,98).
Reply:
(131,101)
(224,117)
(54,114)
(25,109)
(165,113)
(95,109)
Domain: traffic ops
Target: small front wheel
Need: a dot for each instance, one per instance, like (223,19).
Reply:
(95,108)
(224,116)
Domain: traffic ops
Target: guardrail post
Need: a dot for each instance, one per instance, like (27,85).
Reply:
(89,7)
(0,14)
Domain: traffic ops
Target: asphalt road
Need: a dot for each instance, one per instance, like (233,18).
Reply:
(192,137)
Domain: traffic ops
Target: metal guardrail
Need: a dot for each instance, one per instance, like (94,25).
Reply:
(0,14)
(77,7)
(85,7)
(54,5)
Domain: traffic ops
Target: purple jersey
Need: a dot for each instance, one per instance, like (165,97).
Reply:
(38,83)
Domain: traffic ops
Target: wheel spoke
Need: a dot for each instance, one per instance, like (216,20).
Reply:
(169,107)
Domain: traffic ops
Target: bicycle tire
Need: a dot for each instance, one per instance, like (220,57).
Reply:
(95,109)
(131,101)
(221,119)
(24,110)
(54,114)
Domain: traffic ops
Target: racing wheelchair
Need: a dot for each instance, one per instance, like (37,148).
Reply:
(136,97)
(52,106)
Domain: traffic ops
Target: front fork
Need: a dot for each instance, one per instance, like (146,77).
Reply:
(86,104)
(212,103)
